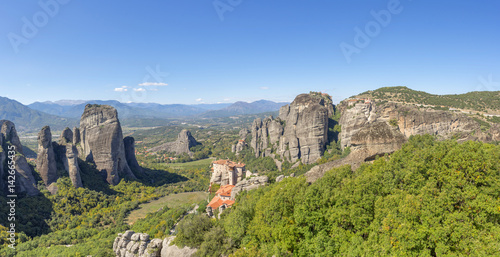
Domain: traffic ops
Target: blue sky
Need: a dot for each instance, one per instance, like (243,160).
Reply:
(187,51)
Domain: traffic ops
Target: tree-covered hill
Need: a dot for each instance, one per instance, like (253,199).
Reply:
(431,198)
(483,101)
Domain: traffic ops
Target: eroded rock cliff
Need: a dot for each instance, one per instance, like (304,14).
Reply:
(46,158)
(374,129)
(9,141)
(300,131)
(67,153)
(102,142)
(129,144)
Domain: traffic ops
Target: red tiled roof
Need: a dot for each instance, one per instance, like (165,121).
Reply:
(225,190)
(217,202)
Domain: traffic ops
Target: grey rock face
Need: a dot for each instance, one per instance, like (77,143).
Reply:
(76,135)
(68,155)
(129,144)
(174,251)
(46,158)
(25,181)
(248,184)
(131,244)
(8,130)
(184,141)
(300,131)
(237,148)
(372,130)
(102,142)
(409,120)
(50,153)
(66,137)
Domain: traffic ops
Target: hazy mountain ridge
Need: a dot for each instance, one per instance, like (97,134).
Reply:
(27,118)
(155,110)
(240,108)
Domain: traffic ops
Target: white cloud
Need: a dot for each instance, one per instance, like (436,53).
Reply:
(139,89)
(158,84)
(121,89)
(264,88)
(199,100)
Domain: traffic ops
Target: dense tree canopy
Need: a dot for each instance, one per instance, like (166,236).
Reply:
(430,198)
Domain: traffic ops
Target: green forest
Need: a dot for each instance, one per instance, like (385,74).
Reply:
(431,198)
(85,221)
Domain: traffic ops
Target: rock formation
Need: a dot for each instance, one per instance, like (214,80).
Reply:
(248,184)
(46,159)
(170,250)
(300,131)
(25,181)
(237,148)
(184,141)
(131,244)
(129,144)
(50,153)
(68,155)
(374,129)
(281,177)
(102,142)
(410,120)
(76,135)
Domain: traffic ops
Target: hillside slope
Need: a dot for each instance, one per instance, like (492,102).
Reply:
(479,101)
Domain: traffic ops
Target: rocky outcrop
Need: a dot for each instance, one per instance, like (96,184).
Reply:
(376,139)
(248,184)
(76,135)
(25,181)
(9,141)
(129,144)
(102,142)
(300,131)
(170,250)
(374,129)
(408,120)
(237,148)
(51,153)
(46,158)
(182,145)
(281,177)
(131,244)
(67,154)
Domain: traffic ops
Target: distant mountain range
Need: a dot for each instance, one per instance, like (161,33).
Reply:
(240,108)
(26,118)
(60,114)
